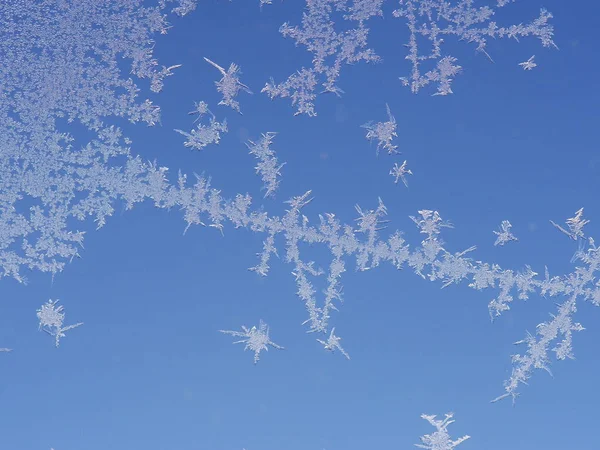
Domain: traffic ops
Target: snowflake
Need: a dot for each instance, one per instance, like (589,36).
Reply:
(440,439)
(383,132)
(333,342)
(256,339)
(504,235)
(529,64)
(230,85)
(200,108)
(51,319)
(400,172)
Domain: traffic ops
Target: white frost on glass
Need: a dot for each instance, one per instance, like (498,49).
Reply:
(200,108)
(400,172)
(440,439)
(268,166)
(505,234)
(51,319)
(529,64)
(383,132)
(204,135)
(5,349)
(230,85)
(335,32)
(256,339)
(436,20)
(332,343)
(575,225)
(331,48)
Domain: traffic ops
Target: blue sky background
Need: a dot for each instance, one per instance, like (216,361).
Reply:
(149,370)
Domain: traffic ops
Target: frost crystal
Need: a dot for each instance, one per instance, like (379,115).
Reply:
(383,132)
(575,225)
(440,439)
(433,20)
(230,85)
(62,62)
(331,49)
(5,349)
(334,44)
(504,235)
(400,172)
(51,319)
(333,342)
(529,64)
(268,167)
(300,87)
(204,135)
(200,108)
(256,339)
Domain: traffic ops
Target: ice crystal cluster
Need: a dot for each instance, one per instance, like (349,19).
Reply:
(333,343)
(383,133)
(256,339)
(435,20)
(51,319)
(204,135)
(505,234)
(440,439)
(60,65)
(229,85)
(336,33)
(529,64)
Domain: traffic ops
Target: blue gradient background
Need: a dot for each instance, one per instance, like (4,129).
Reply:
(149,370)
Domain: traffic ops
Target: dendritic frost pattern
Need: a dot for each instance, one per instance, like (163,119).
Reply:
(529,64)
(400,172)
(51,319)
(331,49)
(63,63)
(434,20)
(383,132)
(268,166)
(440,439)
(333,343)
(334,42)
(575,225)
(256,339)
(204,135)
(505,234)
(230,85)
